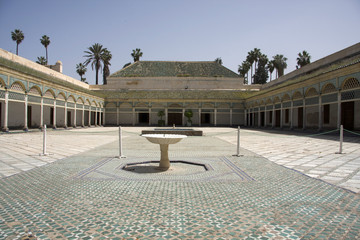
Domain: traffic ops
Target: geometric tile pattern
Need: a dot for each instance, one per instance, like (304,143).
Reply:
(66,199)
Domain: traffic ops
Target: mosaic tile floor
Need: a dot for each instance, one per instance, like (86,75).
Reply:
(90,196)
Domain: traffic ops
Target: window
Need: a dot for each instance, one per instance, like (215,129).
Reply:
(327,114)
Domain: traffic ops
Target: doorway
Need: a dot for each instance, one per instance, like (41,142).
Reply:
(29,114)
(205,118)
(143,118)
(68,119)
(277,118)
(262,119)
(300,117)
(174,118)
(347,115)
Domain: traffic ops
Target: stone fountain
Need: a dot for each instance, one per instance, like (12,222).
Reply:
(164,140)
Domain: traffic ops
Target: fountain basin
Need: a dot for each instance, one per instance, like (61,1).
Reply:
(164,140)
(176,131)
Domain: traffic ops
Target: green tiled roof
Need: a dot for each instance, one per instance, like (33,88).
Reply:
(175,69)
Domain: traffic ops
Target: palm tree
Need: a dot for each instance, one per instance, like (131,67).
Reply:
(94,57)
(17,36)
(257,55)
(271,67)
(106,57)
(243,70)
(280,64)
(136,54)
(303,59)
(218,60)
(251,59)
(41,60)
(81,70)
(45,40)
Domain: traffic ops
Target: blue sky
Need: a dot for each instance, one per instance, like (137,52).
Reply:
(187,30)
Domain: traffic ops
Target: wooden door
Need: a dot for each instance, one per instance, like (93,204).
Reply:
(175,118)
(347,115)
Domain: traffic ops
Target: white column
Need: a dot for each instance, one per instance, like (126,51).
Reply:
(74,115)
(166,116)
(89,116)
(231,116)
(281,115)
(291,115)
(320,113)
(117,115)
(103,117)
(339,110)
(265,118)
(149,116)
(183,117)
(6,111)
(215,117)
(259,117)
(133,116)
(42,112)
(199,117)
(26,113)
(245,117)
(100,117)
(83,115)
(96,111)
(304,114)
(273,117)
(54,114)
(65,109)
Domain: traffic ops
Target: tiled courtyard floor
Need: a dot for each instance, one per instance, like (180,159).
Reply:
(84,192)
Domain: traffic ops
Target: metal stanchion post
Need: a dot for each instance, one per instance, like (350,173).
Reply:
(120,144)
(238,144)
(44,143)
(341,139)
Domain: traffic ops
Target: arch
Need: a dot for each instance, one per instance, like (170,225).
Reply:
(141,104)
(350,83)
(61,96)
(80,100)
(18,86)
(276,99)
(126,105)
(71,98)
(262,103)
(94,104)
(110,105)
(297,95)
(192,105)
(286,98)
(208,105)
(311,92)
(328,88)
(87,102)
(269,101)
(2,83)
(49,94)
(35,90)
(175,105)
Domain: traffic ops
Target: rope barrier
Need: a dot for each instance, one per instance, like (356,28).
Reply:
(351,132)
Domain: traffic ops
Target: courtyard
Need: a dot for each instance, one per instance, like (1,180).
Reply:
(284,186)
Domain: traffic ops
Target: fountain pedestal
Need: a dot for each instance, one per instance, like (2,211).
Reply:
(164,140)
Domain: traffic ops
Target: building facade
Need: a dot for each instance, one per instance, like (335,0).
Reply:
(321,95)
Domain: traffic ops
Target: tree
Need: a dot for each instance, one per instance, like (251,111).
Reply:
(41,60)
(243,70)
(261,74)
(45,41)
(257,54)
(251,59)
(81,70)
(17,36)
(136,54)
(218,60)
(94,57)
(303,59)
(280,64)
(106,57)
(271,67)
